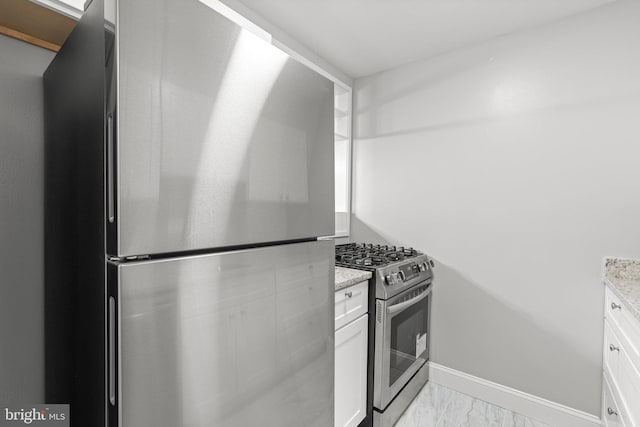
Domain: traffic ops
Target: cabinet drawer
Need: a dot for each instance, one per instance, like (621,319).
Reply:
(625,378)
(625,325)
(611,414)
(351,303)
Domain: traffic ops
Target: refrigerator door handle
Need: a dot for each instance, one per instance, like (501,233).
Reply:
(110,170)
(112,350)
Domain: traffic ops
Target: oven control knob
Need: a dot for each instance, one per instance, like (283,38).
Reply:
(423,266)
(392,279)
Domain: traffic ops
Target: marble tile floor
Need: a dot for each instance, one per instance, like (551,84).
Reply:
(438,406)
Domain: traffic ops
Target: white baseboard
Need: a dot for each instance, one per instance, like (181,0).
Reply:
(535,407)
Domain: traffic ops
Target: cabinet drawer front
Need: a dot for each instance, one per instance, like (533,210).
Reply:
(611,414)
(625,378)
(351,303)
(625,324)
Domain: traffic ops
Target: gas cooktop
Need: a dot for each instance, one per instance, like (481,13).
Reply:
(395,268)
(361,255)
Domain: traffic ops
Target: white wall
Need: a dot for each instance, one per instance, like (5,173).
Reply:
(516,165)
(21,222)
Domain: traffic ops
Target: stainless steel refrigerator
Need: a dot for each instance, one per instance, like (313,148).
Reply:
(189,174)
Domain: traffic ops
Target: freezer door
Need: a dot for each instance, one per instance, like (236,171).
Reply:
(234,339)
(222,138)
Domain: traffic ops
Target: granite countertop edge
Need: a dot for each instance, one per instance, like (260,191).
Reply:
(346,277)
(622,276)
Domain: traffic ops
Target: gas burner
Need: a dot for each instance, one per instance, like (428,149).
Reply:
(395,256)
(378,260)
(346,259)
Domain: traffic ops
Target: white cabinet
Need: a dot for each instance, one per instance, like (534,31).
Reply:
(351,373)
(621,383)
(351,355)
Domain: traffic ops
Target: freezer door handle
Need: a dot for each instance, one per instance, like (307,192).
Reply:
(110,170)
(112,351)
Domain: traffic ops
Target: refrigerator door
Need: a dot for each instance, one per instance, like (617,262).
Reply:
(222,138)
(233,339)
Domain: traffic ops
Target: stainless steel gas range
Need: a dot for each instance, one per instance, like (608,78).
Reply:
(399,325)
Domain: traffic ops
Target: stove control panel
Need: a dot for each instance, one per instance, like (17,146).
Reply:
(405,273)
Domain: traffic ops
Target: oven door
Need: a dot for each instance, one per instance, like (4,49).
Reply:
(402,341)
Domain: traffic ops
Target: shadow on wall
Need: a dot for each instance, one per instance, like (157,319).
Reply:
(449,70)
(477,333)
(460,342)
(363,233)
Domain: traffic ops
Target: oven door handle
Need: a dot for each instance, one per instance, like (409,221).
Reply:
(401,306)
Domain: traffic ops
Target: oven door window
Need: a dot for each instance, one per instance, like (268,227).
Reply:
(409,340)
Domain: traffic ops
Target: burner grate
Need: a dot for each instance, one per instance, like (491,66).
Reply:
(371,255)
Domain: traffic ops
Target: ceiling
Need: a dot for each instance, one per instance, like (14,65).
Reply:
(359,37)
(363,37)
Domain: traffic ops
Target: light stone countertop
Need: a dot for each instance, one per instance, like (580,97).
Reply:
(346,277)
(623,278)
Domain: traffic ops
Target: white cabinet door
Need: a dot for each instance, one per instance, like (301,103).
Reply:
(351,373)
